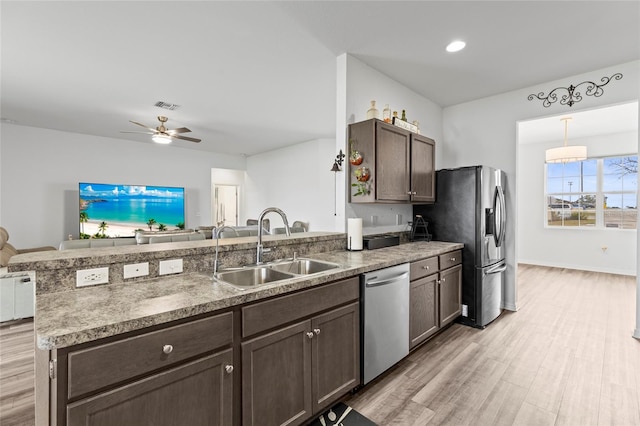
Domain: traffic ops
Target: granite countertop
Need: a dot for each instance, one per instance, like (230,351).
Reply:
(73,317)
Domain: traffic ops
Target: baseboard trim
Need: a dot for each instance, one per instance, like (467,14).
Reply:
(510,307)
(627,272)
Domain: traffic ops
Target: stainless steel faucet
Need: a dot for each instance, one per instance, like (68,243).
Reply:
(260,249)
(216,234)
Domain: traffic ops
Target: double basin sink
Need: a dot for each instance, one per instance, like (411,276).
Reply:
(256,275)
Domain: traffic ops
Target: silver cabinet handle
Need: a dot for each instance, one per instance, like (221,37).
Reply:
(425,268)
(310,335)
(228,368)
(444,279)
(316,330)
(453,259)
(167,349)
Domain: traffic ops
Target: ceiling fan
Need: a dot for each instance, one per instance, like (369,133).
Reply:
(163,135)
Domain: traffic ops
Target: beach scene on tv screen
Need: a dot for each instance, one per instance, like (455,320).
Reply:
(109,211)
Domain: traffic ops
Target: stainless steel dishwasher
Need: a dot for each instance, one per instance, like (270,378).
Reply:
(385,310)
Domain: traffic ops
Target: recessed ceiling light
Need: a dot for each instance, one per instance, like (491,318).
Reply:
(456,46)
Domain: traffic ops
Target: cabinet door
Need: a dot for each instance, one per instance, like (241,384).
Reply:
(423,187)
(450,294)
(335,354)
(276,377)
(197,393)
(392,177)
(423,309)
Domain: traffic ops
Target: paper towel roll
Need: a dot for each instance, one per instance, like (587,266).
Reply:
(354,234)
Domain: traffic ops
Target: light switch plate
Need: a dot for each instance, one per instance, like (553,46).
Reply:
(86,277)
(136,270)
(173,266)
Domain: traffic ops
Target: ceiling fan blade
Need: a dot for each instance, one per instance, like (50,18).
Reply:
(144,133)
(186,138)
(179,130)
(142,125)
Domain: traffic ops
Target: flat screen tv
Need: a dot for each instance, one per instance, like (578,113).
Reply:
(109,211)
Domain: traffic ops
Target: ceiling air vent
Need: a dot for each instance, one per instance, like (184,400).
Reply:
(167,105)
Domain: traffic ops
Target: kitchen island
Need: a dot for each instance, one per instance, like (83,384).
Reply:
(167,334)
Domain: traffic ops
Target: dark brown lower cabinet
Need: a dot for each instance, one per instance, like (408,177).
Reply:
(450,294)
(196,393)
(335,367)
(435,296)
(294,372)
(423,310)
(276,376)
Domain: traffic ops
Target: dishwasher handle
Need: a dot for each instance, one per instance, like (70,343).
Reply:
(376,283)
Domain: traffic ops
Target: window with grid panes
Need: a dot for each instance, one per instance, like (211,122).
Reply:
(594,193)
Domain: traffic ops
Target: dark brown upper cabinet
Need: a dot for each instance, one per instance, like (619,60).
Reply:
(395,165)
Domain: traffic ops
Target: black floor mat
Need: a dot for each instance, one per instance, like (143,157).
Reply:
(353,418)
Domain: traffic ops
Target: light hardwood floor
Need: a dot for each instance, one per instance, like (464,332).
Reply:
(16,373)
(565,358)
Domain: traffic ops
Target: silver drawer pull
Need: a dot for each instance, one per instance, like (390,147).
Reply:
(228,368)
(425,268)
(316,330)
(310,335)
(453,259)
(167,349)
(444,279)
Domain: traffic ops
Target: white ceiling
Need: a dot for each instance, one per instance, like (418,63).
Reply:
(255,76)
(602,121)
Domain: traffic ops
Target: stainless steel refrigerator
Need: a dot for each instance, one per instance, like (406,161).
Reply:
(470,209)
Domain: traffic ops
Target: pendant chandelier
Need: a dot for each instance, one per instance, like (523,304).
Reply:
(566,153)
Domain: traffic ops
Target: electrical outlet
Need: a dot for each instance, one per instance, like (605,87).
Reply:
(465,310)
(136,270)
(173,266)
(86,277)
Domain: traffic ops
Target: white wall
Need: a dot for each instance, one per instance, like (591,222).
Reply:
(484,132)
(40,170)
(566,247)
(360,85)
(297,179)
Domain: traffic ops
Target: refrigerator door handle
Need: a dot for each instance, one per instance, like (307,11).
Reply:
(499,214)
(496,269)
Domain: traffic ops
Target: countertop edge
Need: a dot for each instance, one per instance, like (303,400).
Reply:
(56,336)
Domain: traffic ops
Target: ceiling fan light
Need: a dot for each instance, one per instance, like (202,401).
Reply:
(162,139)
(566,154)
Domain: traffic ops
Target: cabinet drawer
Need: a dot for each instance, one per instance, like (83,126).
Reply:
(448,260)
(196,393)
(265,315)
(424,267)
(94,368)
